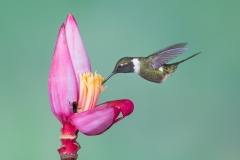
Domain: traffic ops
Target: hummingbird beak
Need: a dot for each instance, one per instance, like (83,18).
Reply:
(108,77)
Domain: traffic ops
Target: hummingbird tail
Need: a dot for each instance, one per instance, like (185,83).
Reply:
(188,58)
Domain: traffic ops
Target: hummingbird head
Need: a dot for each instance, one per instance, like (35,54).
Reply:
(124,65)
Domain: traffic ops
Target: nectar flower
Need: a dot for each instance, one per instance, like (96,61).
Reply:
(74,91)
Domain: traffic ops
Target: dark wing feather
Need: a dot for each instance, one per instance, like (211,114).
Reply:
(163,56)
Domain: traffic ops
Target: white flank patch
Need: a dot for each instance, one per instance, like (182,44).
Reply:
(136,64)
(167,75)
(161,69)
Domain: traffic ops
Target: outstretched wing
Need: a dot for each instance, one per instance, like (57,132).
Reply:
(163,56)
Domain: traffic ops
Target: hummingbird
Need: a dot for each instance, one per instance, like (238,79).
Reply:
(153,67)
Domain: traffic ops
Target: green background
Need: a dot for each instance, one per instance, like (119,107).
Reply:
(195,114)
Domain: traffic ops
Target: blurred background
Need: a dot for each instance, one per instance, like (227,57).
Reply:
(192,115)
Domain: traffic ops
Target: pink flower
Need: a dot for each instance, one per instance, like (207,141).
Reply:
(74,91)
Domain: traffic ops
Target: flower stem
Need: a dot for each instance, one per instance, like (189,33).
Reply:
(69,148)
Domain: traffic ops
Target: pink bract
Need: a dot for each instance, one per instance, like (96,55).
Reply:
(70,61)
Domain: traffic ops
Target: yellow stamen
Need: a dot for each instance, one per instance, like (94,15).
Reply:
(90,88)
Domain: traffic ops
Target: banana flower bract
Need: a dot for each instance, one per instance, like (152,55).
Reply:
(74,91)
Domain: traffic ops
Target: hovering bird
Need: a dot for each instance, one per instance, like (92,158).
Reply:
(153,67)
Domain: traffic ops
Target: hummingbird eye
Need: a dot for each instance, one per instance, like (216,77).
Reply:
(119,67)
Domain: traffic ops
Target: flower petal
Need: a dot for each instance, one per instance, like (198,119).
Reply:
(79,56)
(62,83)
(98,120)
(126,107)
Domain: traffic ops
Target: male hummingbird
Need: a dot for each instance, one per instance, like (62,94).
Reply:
(153,67)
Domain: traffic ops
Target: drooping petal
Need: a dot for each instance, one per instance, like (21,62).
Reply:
(79,56)
(98,120)
(62,83)
(126,108)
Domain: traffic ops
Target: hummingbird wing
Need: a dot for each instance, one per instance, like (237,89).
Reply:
(163,56)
